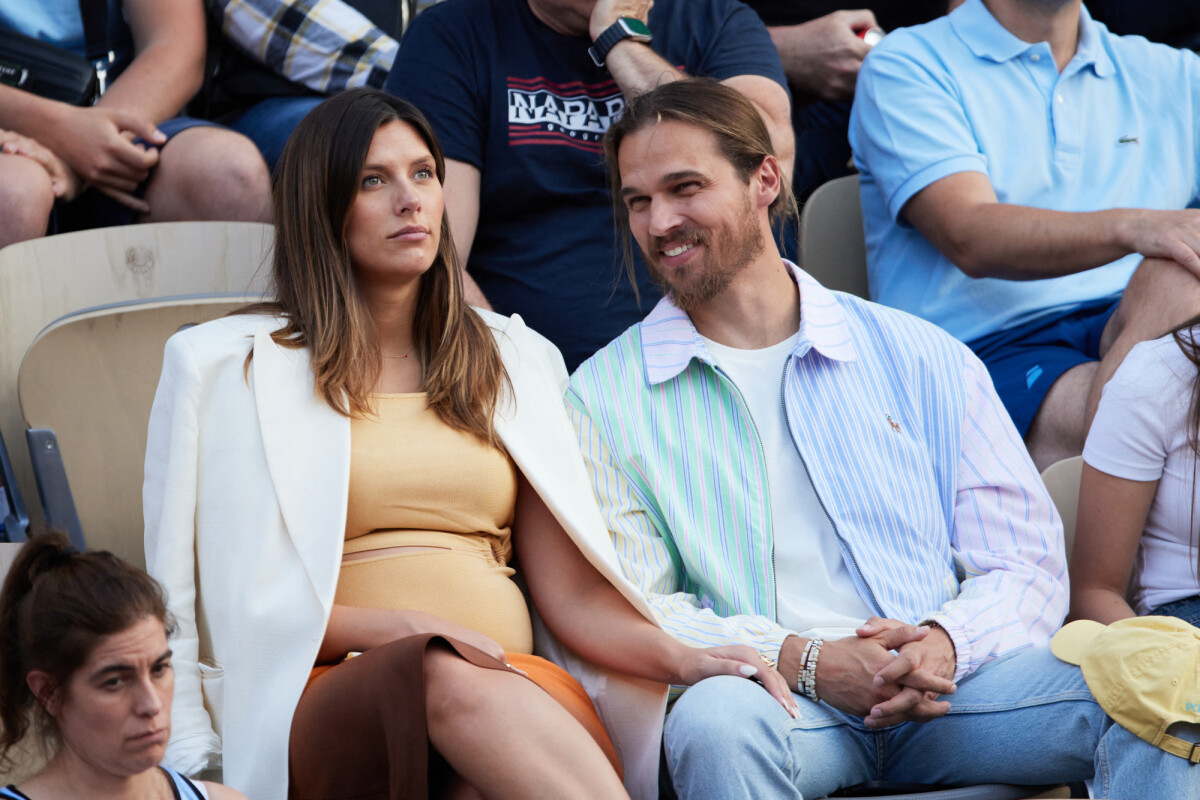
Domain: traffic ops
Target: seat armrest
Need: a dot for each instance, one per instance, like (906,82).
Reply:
(58,505)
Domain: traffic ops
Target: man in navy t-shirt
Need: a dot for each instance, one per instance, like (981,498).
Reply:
(521,107)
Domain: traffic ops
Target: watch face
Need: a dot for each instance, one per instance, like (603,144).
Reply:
(635,27)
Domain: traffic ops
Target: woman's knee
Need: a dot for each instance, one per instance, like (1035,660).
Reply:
(454,687)
(26,199)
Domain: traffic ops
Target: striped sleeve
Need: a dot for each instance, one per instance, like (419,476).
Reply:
(1007,538)
(649,559)
(326,45)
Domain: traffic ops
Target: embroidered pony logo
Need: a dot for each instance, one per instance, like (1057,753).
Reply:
(895,425)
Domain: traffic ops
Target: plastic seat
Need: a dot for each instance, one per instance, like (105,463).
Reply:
(1062,481)
(83,320)
(86,387)
(832,248)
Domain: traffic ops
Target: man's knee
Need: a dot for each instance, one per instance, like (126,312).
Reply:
(26,199)
(1059,427)
(723,714)
(211,173)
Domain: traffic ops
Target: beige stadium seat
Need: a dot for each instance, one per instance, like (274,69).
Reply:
(1062,481)
(832,249)
(83,320)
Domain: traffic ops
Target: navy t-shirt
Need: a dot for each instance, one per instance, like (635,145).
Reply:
(527,106)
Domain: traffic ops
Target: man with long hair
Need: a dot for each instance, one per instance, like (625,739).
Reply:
(835,484)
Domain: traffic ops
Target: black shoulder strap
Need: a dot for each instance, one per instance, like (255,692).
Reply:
(194,792)
(95,28)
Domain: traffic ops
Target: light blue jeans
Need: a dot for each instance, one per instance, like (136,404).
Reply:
(1024,719)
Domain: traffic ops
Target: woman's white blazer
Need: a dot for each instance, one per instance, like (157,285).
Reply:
(245,505)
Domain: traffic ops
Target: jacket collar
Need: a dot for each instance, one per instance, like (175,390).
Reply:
(988,39)
(670,340)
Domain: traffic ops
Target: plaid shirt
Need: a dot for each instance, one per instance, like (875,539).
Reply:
(325,45)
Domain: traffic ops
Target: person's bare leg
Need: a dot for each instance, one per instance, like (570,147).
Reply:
(26,199)
(209,173)
(1160,295)
(1058,430)
(507,737)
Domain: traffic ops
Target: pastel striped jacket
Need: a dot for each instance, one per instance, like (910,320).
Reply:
(938,510)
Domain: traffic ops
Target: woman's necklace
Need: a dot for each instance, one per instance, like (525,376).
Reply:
(395,357)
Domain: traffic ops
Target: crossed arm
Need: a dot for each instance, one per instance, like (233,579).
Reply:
(962,217)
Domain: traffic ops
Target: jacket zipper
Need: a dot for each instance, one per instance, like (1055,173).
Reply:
(828,516)
(762,454)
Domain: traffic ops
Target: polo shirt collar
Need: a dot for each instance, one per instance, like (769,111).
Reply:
(987,38)
(670,341)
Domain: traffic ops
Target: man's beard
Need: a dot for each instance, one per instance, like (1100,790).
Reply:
(742,245)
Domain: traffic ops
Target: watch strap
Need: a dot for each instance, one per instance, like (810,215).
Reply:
(623,28)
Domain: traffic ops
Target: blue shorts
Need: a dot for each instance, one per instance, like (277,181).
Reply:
(94,209)
(1025,361)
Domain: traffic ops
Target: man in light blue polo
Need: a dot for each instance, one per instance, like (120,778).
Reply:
(1026,183)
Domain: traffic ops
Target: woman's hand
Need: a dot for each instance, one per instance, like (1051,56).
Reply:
(356,630)
(737,660)
(63,181)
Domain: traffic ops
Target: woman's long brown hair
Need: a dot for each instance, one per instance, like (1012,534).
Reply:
(314,186)
(1185,337)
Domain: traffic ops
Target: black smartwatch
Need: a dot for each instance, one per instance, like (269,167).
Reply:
(623,28)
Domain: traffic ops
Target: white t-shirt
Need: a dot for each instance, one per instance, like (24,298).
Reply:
(816,595)
(1141,433)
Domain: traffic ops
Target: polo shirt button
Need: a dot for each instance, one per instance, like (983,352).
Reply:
(1035,57)
(1059,98)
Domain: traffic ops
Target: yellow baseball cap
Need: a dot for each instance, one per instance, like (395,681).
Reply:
(1143,671)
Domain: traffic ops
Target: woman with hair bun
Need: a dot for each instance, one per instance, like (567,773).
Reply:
(84,659)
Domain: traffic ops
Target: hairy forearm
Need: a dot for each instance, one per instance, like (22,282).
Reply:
(1002,240)
(791,53)
(158,83)
(637,69)
(29,114)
